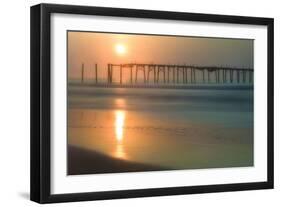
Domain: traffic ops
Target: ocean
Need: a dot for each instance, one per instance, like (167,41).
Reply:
(173,128)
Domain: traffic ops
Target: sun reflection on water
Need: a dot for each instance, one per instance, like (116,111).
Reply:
(119,124)
(120,153)
(120,103)
(119,133)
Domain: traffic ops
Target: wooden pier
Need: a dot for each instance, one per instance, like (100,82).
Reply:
(180,74)
(168,74)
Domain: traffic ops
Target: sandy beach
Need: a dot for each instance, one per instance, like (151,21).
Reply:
(82,161)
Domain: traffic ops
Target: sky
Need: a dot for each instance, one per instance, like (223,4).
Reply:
(93,48)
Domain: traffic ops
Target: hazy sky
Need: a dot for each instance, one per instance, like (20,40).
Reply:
(103,48)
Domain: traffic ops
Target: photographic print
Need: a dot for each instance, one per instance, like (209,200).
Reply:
(132,103)
(144,102)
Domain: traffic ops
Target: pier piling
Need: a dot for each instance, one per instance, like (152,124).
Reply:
(96,72)
(170,74)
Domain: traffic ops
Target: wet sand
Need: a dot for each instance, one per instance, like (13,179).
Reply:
(82,161)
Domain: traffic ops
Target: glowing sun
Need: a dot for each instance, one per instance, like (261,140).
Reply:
(120,49)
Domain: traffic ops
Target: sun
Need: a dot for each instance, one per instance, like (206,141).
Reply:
(120,49)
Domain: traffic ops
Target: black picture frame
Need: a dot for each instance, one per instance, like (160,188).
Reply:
(41,102)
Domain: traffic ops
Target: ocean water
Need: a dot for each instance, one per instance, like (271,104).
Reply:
(174,128)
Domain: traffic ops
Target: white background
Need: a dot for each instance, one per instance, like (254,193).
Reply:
(14,110)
